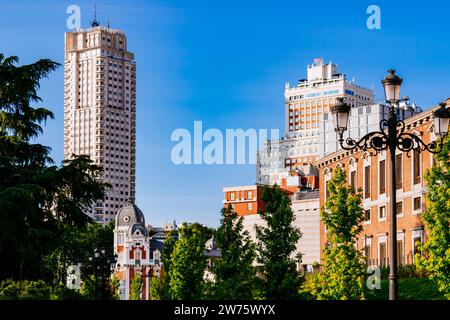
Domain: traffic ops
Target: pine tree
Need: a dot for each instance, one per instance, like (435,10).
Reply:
(155,288)
(275,246)
(343,275)
(37,199)
(136,287)
(234,274)
(435,256)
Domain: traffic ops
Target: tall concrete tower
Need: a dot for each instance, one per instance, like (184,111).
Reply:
(306,107)
(100,110)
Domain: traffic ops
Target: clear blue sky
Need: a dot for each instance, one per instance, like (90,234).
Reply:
(226,63)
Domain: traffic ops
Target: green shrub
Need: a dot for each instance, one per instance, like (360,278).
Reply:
(35,290)
(61,292)
(403,271)
(24,290)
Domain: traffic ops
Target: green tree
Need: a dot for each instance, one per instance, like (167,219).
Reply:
(166,259)
(76,245)
(188,263)
(114,288)
(21,164)
(36,290)
(434,258)
(89,288)
(24,290)
(234,274)
(343,274)
(37,198)
(136,287)
(276,244)
(155,288)
(61,292)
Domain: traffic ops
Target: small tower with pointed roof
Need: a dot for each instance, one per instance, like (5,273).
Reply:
(132,246)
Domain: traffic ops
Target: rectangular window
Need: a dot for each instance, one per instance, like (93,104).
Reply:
(416,159)
(400,255)
(382,214)
(327,193)
(383,254)
(249,195)
(232,195)
(367,182)
(367,252)
(382,176)
(417,203)
(399,207)
(367,215)
(250,206)
(353,180)
(398,170)
(137,255)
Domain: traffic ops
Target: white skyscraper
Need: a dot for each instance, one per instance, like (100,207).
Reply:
(306,105)
(100,110)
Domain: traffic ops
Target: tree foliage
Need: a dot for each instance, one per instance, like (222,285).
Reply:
(435,255)
(136,287)
(36,290)
(76,245)
(276,244)
(37,199)
(188,263)
(166,259)
(343,274)
(155,288)
(234,273)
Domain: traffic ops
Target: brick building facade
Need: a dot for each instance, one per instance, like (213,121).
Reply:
(371,174)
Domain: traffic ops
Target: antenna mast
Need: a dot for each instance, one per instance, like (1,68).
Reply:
(95,22)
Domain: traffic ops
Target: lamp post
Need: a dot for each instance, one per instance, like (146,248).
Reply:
(394,138)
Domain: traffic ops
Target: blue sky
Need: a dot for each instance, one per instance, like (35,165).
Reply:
(225,63)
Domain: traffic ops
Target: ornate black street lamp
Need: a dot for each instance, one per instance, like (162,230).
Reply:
(392,138)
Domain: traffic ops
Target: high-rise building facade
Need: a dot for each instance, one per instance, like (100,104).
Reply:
(100,110)
(305,106)
(362,120)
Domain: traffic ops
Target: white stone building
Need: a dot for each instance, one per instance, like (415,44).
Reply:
(362,120)
(137,253)
(306,209)
(305,105)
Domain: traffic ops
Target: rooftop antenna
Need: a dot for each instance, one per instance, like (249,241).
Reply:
(95,22)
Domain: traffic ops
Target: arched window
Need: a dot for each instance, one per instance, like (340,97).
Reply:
(353,173)
(137,254)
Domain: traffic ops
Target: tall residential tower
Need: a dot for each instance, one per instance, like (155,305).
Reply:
(100,110)
(306,106)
